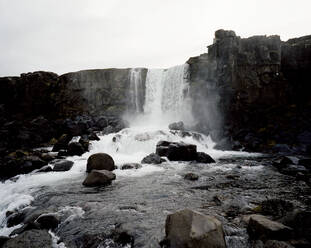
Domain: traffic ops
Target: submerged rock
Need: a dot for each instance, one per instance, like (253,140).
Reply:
(30,239)
(191,176)
(99,178)
(260,227)
(190,229)
(130,166)
(62,165)
(152,159)
(100,161)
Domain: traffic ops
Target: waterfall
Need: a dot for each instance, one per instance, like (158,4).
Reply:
(166,98)
(136,86)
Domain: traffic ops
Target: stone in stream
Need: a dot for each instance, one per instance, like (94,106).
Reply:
(191,229)
(48,221)
(75,149)
(191,176)
(100,161)
(62,143)
(99,178)
(175,151)
(202,157)
(30,239)
(152,159)
(260,227)
(62,165)
(130,166)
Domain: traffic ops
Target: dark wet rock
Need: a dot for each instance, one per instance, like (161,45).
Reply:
(293,170)
(152,159)
(204,158)
(99,178)
(93,136)
(30,239)
(102,122)
(48,221)
(283,161)
(191,176)
(62,153)
(276,207)
(177,126)
(130,166)
(277,244)
(187,228)
(75,149)
(175,151)
(85,142)
(260,227)
(3,239)
(15,219)
(300,221)
(306,162)
(62,165)
(25,227)
(282,149)
(62,143)
(100,161)
(48,157)
(108,130)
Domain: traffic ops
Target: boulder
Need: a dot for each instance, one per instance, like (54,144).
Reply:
(204,158)
(75,149)
(46,168)
(62,165)
(130,166)
(152,159)
(177,126)
(85,142)
(48,221)
(276,207)
(100,161)
(191,176)
(62,143)
(30,239)
(93,136)
(260,227)
(99,178)
(190,229)
(175,151)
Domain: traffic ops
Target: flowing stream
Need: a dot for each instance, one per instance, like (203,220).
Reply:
(138,198)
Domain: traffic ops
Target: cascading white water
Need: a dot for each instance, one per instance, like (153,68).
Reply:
(166,98)
(136,83)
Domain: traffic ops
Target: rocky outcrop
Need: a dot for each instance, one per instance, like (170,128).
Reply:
(255,90)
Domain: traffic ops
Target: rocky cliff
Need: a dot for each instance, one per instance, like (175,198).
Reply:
(260,87)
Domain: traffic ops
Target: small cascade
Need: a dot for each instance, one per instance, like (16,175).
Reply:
(136,86)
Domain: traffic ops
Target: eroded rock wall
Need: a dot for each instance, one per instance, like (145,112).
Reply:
(259,86)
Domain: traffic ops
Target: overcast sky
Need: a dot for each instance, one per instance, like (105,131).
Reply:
(70,35)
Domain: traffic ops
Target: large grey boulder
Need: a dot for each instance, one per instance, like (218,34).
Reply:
(190,229)
(177,151)
(260,227)
(99,178)
(30,239)
(62,165)
(152,159)
(100,161)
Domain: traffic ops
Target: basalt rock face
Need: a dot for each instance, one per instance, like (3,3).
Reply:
(35,106)
(255,90)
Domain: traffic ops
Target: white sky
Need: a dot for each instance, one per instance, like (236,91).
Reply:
(70,35)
